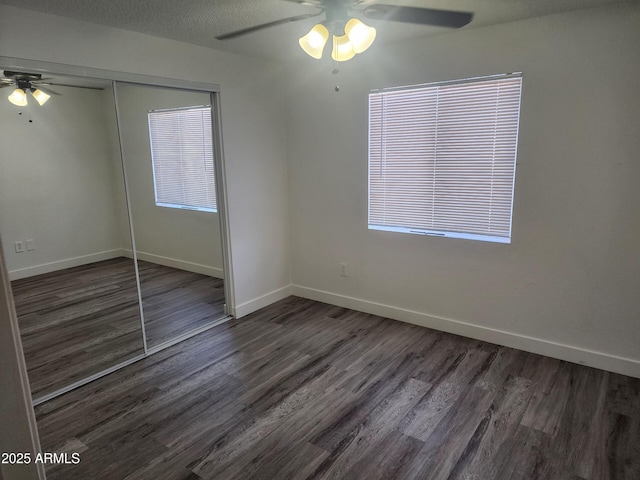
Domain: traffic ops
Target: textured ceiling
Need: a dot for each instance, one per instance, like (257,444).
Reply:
(199,21)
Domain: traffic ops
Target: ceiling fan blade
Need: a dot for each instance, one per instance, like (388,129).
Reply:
(22,76)
(45,90)
(310,3)
(245,31)
(58,84)
(422,16)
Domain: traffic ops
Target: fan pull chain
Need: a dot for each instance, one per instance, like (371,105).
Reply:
(28,115)
(335,70)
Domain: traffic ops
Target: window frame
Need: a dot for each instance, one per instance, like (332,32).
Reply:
(435,232)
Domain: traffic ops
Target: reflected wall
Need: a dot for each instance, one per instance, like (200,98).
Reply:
(65,233)
(101,275)
(179,250)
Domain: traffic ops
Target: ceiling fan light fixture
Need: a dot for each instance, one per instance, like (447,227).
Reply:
(39,95)
(313,42)
(18,97)
(342,49)
(360,35)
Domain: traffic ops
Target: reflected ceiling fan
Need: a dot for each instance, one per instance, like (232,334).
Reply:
(33,83)
(23,83)
(349,34)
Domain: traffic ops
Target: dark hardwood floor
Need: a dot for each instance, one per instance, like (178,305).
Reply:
(305,390)
(80,321)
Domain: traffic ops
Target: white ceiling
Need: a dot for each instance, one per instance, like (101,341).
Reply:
(199,21)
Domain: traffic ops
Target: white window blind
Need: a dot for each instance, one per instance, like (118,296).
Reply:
(182,154)
(442,158)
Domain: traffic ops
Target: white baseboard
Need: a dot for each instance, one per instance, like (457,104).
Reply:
(604,361)
(257,303)
(66,263)
(181,264)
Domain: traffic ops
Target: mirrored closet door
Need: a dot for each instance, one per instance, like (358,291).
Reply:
(65,230)
(109,221)
(167,145)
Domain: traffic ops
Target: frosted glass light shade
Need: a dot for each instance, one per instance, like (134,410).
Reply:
(40,96)
(313,42)
(342,49)
(18,97)
(360,35)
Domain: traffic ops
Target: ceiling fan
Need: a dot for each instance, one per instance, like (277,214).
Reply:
(33,83)
(350,35)
(23,83)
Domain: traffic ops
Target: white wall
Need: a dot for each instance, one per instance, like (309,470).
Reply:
(185,238)
(252,122)
(57,181)
(572,273)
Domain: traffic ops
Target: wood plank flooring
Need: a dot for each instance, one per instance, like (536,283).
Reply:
(79,321)
(305,390)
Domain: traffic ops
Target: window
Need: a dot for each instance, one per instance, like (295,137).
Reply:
(182,155)
(442,158)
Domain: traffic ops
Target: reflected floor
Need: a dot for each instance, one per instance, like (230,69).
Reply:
(176,302)
(79,321)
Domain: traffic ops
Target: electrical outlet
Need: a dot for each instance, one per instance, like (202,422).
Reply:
(30,245)
(343,270)
(19,246)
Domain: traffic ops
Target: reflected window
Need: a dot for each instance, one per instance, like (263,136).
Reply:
(182,156)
